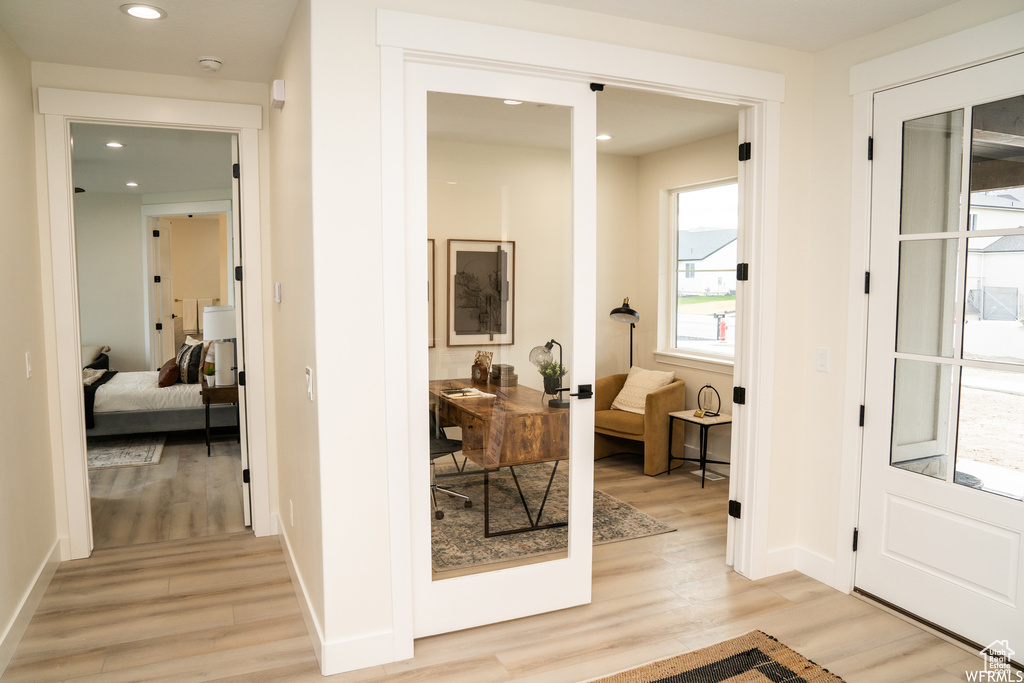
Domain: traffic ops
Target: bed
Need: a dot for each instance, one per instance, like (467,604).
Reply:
(133,403)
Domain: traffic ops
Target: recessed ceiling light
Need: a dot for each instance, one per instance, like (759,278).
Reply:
(143,11)
(114,144)
(132,184)
(513,102)
(604,137)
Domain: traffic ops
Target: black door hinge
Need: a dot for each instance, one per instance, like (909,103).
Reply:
(238,273)
(156,233)
(862,415)
(234,170)
(867,282)
(159,326)
(734,508)
(739,395)
(745,151)
(742,271)
(245,476)
(156,279)
(871,148)
(241,378)
(855,535)
(597,87)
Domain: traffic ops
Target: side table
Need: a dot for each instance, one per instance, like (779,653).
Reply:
(705,423)
(222,394)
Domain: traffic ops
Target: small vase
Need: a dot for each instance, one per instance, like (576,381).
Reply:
(552,385)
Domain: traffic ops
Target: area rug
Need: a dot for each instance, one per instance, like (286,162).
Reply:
(752,658)
(457,541)
(124,451)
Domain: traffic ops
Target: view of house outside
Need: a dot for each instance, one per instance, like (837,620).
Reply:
(706,221)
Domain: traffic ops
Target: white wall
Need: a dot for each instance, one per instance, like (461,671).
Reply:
(28,533)
(111,290)
(293,321)
(518,194)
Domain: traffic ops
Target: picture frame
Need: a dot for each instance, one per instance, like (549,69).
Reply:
(481,292)
(431,296)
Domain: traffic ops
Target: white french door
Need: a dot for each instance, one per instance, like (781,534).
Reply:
(941,510)
(467,171)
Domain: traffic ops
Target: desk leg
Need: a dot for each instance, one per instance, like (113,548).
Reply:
(207,430)
(534,524)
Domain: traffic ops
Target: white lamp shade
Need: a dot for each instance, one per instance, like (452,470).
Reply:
(218,322)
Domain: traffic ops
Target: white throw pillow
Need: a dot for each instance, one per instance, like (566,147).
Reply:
(640,382)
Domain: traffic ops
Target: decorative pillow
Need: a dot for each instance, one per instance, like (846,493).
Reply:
(206,344)
(91,353)
(168,374)
(640,382)
(190,363)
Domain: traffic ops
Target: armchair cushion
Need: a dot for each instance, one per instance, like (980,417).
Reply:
(619,421)
(633,396)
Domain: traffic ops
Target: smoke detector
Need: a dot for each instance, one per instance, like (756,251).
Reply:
(210,64)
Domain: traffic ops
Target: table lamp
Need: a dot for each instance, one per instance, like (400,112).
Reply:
(219,327)
(625,314)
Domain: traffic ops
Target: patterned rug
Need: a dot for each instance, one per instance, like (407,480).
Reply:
(458,541)
(752,658)
(125,451)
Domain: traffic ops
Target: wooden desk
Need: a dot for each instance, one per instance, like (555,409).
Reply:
(222,394)
(514,427)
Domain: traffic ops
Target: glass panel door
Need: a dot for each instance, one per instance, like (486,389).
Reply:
(502,484)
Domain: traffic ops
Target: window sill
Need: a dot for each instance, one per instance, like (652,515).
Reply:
(722,366)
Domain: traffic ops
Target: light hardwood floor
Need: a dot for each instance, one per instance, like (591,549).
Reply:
(185,495)
(222,608)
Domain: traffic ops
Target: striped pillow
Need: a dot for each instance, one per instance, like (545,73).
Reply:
(190,363)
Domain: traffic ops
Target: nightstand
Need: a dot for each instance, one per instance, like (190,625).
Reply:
(221,394)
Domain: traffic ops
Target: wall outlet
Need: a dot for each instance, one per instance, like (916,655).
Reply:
(28,365)
(291,512)
(821,359)
(309,383)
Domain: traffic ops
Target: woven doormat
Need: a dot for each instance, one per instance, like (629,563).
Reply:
(753,658)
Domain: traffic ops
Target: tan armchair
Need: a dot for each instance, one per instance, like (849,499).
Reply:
(619,431)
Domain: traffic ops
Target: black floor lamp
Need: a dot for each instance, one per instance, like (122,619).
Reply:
(625,314)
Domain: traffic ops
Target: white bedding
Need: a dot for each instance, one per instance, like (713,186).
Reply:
(139,391)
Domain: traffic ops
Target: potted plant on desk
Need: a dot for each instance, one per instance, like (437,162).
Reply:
(552,372)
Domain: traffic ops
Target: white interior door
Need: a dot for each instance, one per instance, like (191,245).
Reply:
(941,512)
(515,183)
(235,248)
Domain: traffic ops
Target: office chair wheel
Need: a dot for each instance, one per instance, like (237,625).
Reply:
(438,514)
(467,504)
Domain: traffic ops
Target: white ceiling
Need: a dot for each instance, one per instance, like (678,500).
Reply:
(806,25)
(158,159)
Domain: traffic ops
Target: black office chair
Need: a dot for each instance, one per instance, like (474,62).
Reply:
(441,446)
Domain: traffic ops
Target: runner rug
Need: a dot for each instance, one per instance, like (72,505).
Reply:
(124,451)
(752,658)
(457,541)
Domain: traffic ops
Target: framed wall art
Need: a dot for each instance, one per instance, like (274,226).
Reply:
(431,307)
(481,292)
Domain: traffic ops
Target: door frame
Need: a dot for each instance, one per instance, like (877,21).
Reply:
(971,47)
(408,38)
(59,109)
(154,212)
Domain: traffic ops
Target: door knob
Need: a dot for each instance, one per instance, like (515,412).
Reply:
(584,391)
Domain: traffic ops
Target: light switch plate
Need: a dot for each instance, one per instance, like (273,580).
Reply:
(309,383)
(277,292)
(821,360)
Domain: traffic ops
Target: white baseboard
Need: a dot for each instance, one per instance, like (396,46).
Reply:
(809,563)
(316,635)
(336,656)
(29,603)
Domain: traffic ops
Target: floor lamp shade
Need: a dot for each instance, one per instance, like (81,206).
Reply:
(219,325)
(625,314)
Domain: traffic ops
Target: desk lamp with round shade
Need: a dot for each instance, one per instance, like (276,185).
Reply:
(625,314)
(219,327)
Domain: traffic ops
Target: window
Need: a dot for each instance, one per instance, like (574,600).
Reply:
(705,226)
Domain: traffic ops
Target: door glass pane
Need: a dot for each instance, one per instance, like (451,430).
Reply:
(932,166)
(500,216)
(995,294)
(927,297)
(920,419)
(990,437)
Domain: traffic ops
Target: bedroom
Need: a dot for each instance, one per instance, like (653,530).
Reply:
(155,250)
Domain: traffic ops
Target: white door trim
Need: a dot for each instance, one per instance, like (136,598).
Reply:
(973,46)
(406,38)
(59,108)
